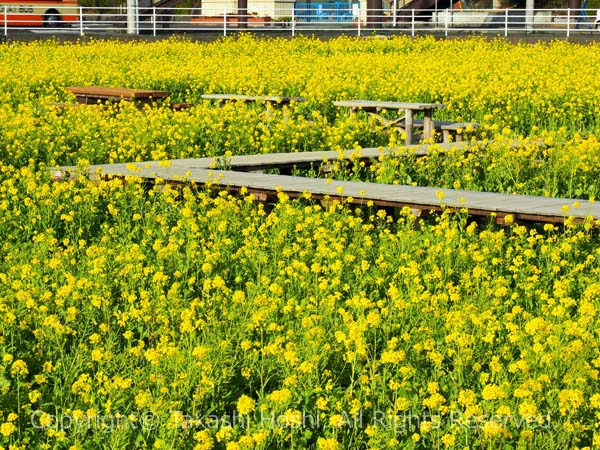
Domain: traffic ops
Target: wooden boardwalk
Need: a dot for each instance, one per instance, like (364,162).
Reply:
(284,161)
(298,160)
(419,199)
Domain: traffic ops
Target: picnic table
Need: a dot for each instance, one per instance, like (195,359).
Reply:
(406,121)
(91,95)
(274,100)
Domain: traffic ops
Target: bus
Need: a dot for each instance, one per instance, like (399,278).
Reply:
(39,13)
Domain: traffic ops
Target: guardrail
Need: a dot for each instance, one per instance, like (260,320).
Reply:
(284,16)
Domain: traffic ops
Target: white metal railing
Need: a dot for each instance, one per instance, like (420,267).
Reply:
(284,16)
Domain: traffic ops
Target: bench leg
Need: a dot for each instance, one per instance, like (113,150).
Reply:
(408,126)
(455,136)
(446,135)
(428,124)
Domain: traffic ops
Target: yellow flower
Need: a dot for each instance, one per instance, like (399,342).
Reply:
(393,356)
(337,421)
(595,401)
(448,440)
(205,441)
(291,418)
(224,434)
(327,444)
(402,404)
(46,420)
(260,437)
(34,396)
(19,368)
(97,355)
(466,397)
(143,399)
(492,392)
(245,405)
(246,442)
(528,409)
(280,396)
(7,428)
(321,404)
(492,429)
(569,401)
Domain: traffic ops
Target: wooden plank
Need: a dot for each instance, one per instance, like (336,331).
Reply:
(454,126)
(300,159)
(424,196)
(305,159)
(111,93)
(379,105)
(253,98)
(444,124)
(279,160)
(483,203)
(180,106)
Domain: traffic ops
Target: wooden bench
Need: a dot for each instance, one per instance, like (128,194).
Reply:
(456,130)
(406,122)
(448,129)
(92,95)
(273,100)
(180,106)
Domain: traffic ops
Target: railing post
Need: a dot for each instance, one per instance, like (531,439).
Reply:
(293,24)
(5,20)
(394,18)
(359,20)
(81,21)
(506,22)
(153,21)
(412,22)
(446,25)
(132,17)
(225,22)
(530,16)
(568,22)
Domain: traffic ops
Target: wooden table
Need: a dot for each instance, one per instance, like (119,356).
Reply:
(273,100)
(409,109)
(91,95)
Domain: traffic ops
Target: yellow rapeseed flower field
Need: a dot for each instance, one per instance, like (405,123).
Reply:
(183,318)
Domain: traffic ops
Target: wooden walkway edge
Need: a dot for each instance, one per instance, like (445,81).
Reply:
(299,160)
(419,199)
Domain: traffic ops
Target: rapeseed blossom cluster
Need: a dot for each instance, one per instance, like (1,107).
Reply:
(178,317)
(550,165)
(307,323)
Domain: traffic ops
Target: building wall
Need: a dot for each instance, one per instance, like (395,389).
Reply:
(273,9)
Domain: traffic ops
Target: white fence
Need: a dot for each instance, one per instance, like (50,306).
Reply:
(288,17)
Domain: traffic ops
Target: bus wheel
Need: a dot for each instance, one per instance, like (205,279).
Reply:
(52,20)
